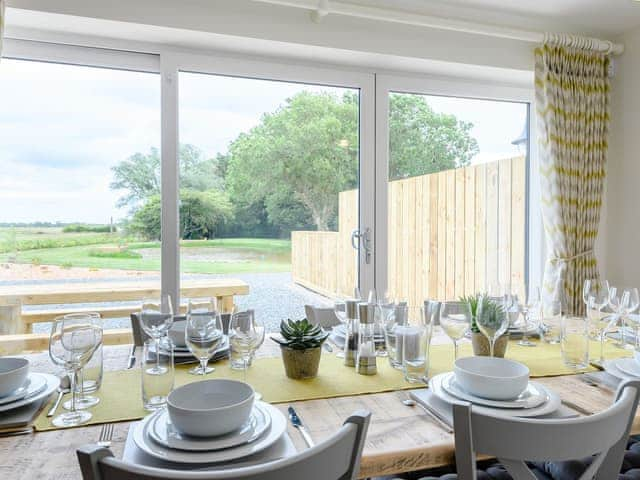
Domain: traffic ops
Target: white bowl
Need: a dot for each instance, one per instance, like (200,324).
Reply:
(211,407)
(13,373)
(491,377)
(176,333)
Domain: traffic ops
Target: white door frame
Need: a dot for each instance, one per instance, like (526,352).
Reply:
(452,87)
(278,71)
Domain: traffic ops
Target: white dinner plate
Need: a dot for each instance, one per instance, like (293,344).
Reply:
(611,367)
(532,397)
(435,384)
(52,383)
(163,432)
(144,442)
(629,367)
(33,385)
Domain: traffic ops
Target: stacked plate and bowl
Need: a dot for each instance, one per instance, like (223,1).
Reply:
(209,422)
(624,368)
(21,389)
(492,385)
(181,352)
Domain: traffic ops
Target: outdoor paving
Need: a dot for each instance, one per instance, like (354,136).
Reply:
(273,296)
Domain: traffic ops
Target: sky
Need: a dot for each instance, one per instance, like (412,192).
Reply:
(62,129)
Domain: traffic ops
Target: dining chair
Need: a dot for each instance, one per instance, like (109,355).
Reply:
(323,316)
(513,441)
(337,458)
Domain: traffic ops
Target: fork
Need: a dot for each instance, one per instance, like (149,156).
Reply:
(106,434)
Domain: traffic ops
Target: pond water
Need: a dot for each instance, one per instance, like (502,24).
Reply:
(221,255)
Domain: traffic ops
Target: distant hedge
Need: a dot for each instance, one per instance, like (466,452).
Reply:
(87,229)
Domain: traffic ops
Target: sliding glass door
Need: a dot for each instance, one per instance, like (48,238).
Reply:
(452,190)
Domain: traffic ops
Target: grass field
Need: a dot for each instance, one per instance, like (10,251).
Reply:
(50,246)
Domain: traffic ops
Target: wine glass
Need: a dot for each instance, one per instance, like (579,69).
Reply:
(83,401)
(72,342)
(492,319)
(596,289)
(246,334)
(455,320)
(203,333)
(622,301)
(156,318)
(600,321)
(530,309)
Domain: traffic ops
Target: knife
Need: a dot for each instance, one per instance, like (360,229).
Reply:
(132,358)
(297,423)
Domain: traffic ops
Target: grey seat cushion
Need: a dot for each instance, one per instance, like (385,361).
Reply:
(630,469)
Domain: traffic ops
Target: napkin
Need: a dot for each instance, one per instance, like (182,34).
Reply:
(427,398)
(281,449)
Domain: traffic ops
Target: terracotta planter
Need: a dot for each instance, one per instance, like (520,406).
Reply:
(481,346)
(301,364)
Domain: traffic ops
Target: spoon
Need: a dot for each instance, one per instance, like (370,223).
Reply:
(409,402)
(65,387)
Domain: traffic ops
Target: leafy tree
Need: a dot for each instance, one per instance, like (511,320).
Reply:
(202,215)
(422,141)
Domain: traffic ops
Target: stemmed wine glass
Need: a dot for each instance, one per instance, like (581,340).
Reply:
(598,290)
(83,401)
(156,318)
(455,320)
(531,310)
(623,302)
(246,334)
(72,342)
(601,323)
(203,333)
(492,319)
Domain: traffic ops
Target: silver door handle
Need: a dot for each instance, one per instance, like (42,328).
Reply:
(362,238)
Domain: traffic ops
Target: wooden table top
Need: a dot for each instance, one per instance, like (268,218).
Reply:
(400,438)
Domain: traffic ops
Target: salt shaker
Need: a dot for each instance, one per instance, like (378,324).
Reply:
(366,360)
(351,341)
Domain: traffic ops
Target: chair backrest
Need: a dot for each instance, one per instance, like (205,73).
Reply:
(516,440)
(337,458)
(323,316)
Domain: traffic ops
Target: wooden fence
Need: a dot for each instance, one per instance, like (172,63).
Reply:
(451,233)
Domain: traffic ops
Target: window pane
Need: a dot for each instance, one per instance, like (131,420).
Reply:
(269,172)
(79,156)
(457,182)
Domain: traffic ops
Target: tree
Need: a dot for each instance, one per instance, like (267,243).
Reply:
(202,215)
(422,141)
(139,175)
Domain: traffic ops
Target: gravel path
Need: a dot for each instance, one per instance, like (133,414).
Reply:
(273,296)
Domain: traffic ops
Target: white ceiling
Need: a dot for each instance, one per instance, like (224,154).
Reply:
(603,17)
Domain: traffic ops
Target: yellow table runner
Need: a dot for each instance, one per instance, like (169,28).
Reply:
(121,391)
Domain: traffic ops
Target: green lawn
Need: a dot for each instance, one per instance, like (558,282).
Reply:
(226,255)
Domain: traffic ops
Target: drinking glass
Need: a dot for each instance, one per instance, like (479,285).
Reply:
(600,322)
(551,321)
(157,372)
(246,334)
(455,320)
(530,309)
(203,333)
(156,318)
(390,323)
(416,340)
(90,375)
(72,342)
(574,342)
(492,319)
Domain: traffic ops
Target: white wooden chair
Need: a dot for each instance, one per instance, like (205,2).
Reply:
(516,440)
(337,458)
(323,316)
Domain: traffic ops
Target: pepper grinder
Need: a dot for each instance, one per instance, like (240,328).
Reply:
(366,361)
(351,341)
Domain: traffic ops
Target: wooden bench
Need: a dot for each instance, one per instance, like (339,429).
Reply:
(16,324)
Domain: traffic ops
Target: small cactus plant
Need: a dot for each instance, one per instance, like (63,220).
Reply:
(301,334)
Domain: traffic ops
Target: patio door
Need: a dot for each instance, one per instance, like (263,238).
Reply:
(276,181)
(453,183)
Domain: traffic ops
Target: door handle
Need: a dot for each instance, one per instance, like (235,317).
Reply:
(363,239)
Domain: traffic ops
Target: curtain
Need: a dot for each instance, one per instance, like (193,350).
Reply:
(2,5)
(572,100)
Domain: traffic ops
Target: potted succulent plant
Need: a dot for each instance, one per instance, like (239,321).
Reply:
(479,342)
(301,347)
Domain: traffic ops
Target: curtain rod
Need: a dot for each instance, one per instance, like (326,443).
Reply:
(320,9)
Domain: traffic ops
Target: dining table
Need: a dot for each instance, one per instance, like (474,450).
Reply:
(400,438)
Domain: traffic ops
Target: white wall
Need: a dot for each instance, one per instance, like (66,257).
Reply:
(621,242)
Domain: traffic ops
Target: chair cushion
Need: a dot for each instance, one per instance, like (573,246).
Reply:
(630,469)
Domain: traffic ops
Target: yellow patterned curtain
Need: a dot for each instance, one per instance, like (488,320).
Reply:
(572,101)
